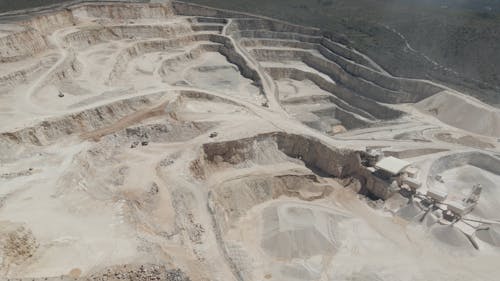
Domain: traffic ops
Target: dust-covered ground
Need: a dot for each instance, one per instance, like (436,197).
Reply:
(169,141)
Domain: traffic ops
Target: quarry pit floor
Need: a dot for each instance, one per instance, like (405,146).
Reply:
(170,140)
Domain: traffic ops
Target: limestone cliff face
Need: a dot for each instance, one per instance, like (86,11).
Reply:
(52,129)
(20,45)
(125,11)
(337,163)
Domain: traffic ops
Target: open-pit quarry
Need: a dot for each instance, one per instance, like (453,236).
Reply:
(171,141)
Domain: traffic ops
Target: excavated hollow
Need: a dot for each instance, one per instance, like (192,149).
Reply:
(171,141)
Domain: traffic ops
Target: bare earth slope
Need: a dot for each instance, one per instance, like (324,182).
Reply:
(450,41)
(170,141)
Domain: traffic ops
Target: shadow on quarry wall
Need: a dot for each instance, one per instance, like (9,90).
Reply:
(343,97)
(323,160)
(351,62)
(309,171)
(121,119)
(345,65)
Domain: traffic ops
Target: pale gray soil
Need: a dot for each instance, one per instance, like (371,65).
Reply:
(168,141)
